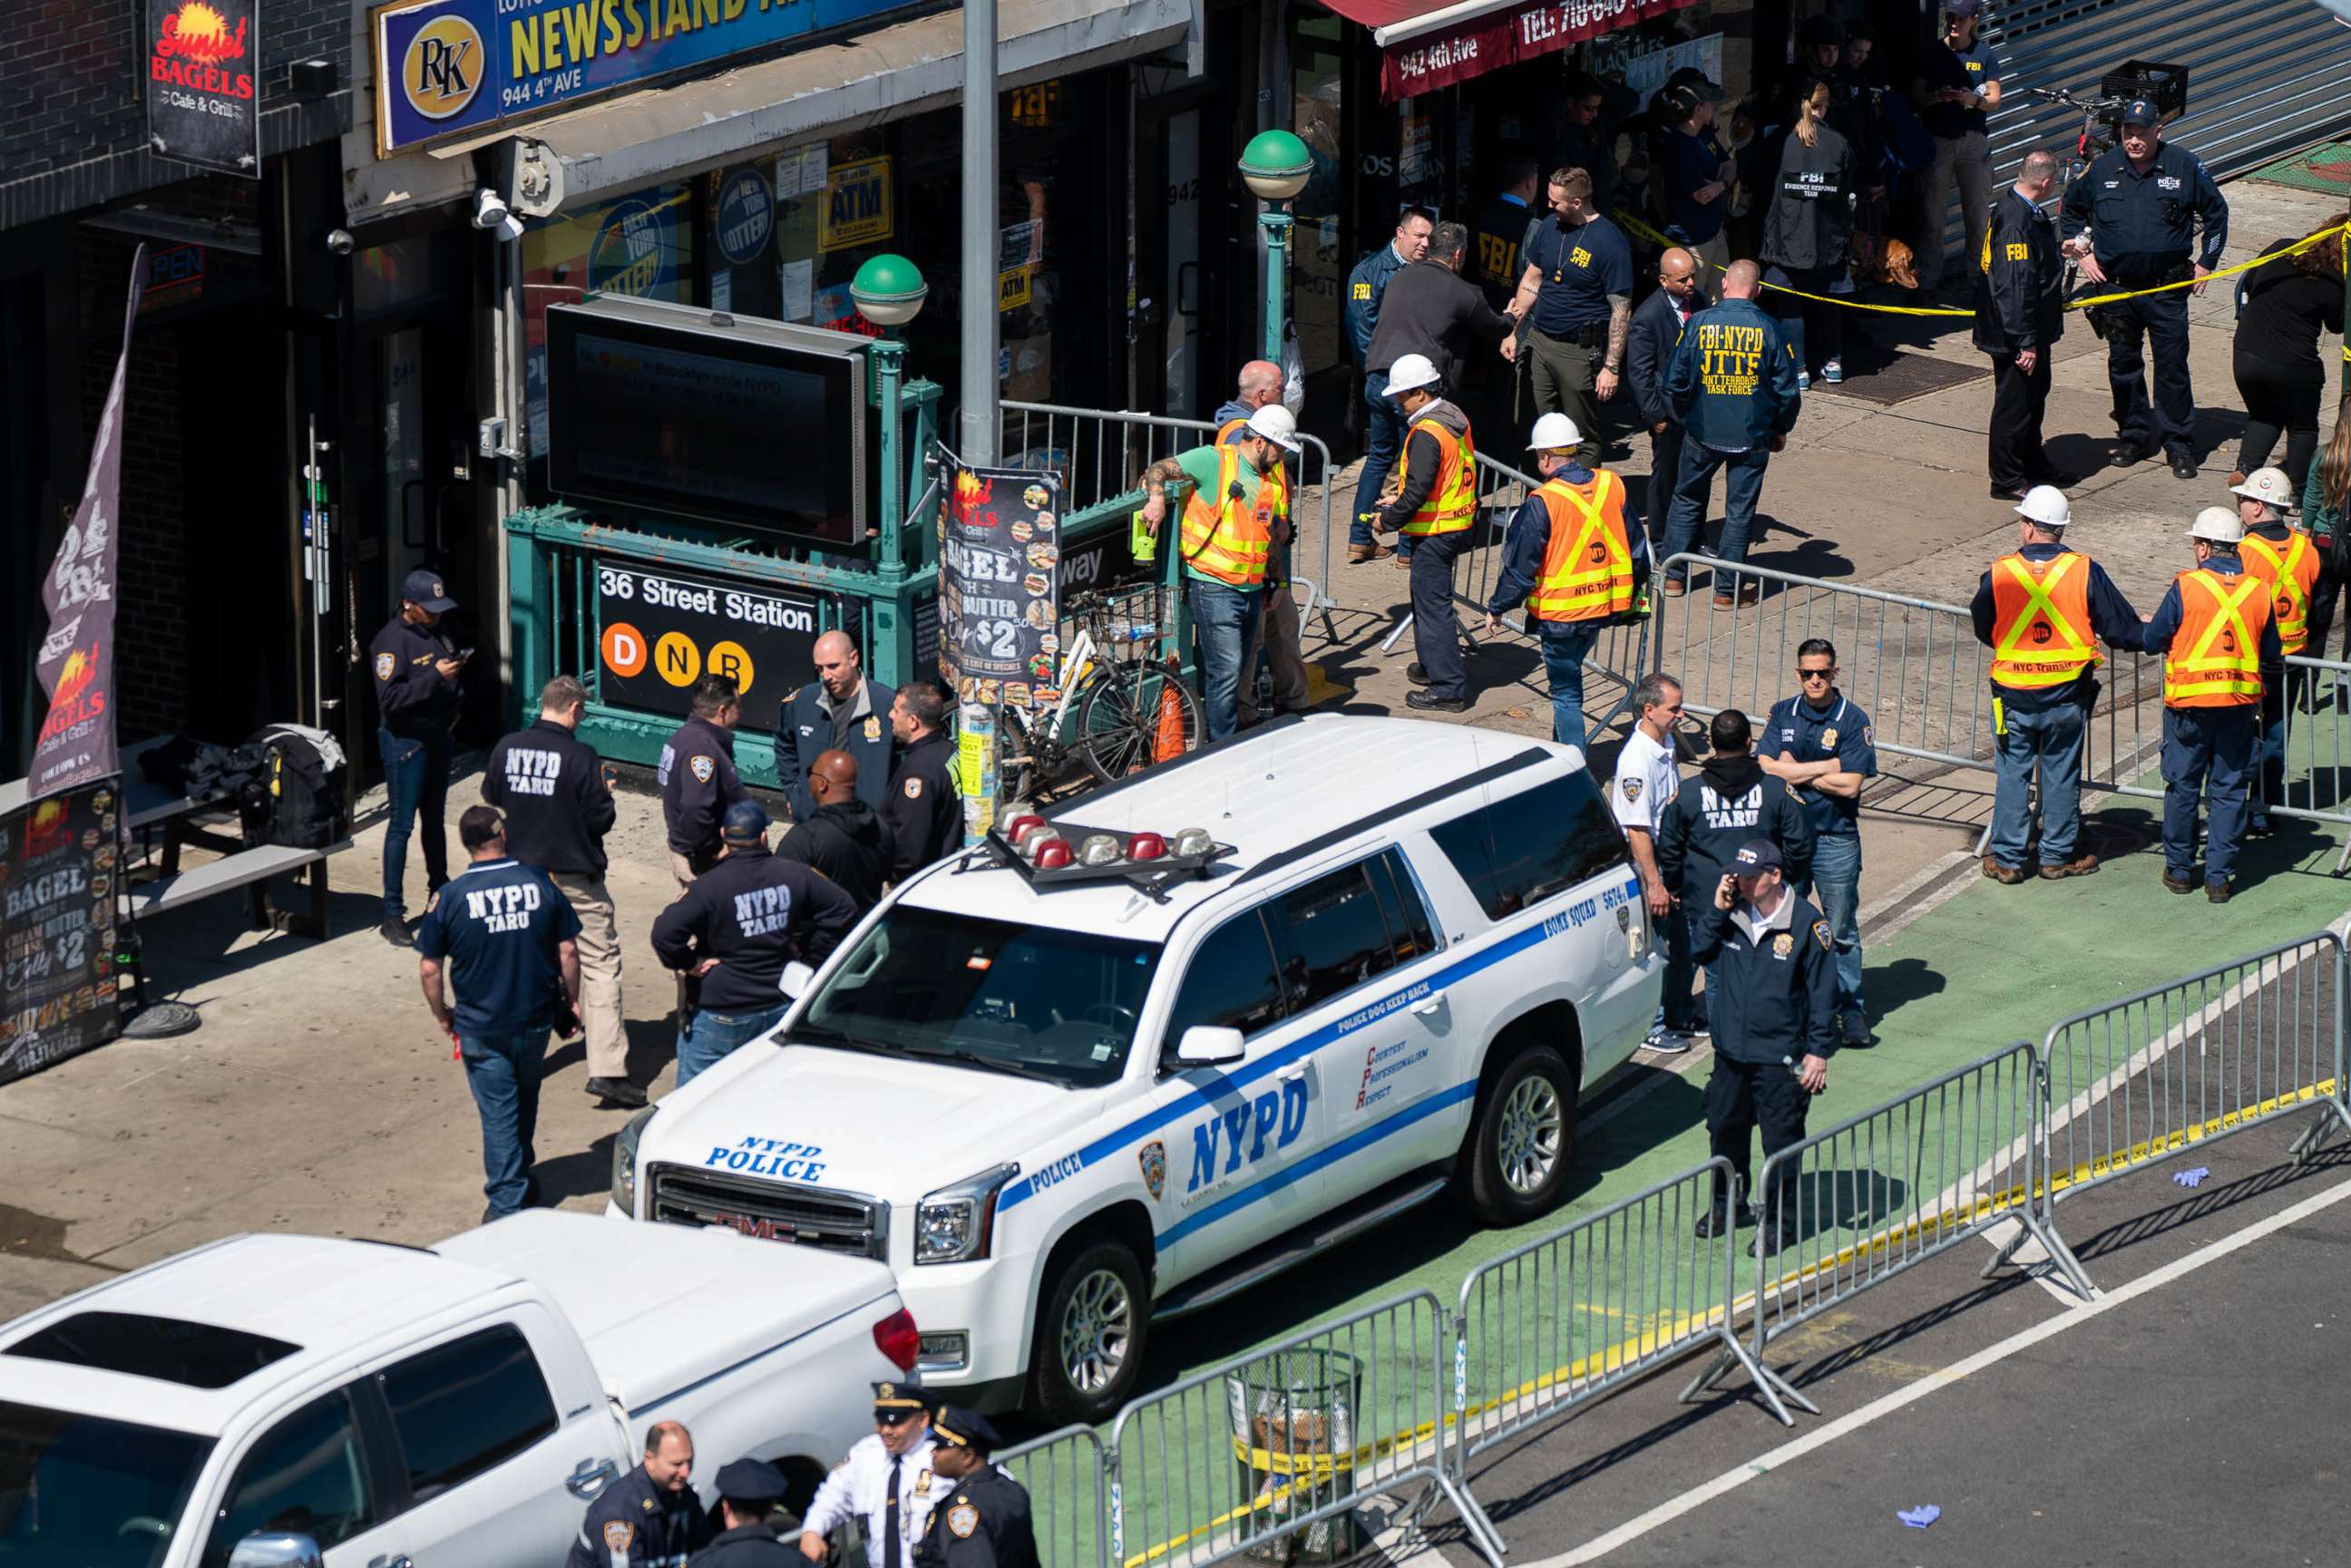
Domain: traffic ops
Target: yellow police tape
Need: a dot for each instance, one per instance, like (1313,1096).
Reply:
(1323,1467)
(1635,225)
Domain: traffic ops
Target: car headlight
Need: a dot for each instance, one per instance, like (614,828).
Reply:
(954,1224)
(624,1161)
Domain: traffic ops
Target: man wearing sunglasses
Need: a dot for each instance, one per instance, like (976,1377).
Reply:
(1821,744)
(886,1482)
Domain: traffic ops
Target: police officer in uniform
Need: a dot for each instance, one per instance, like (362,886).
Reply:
(650,1518)
(887,1482)
(1573,560)
(511,942)
(748,1492)
(558,800)
(737,928)
(924,813)
(1821,742)
(697,777)
(1435,509)
(2019,316)
(840,710)
(416,697)
(2216,632)
(983,1519)
(2040,610)
(2284,557)
(1772,997)
(2129,223)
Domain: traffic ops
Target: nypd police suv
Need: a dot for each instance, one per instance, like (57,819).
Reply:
(1056,1105)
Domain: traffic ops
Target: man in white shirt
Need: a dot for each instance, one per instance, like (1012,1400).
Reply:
(1647,780)
(886,1482)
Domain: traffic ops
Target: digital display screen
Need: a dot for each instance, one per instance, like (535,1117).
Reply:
(655,407)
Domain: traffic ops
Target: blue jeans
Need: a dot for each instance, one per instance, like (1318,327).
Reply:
(415,780)
(2201,743)
(1742,487)
(2170,420)
(1836,887)
(2047,741)
(503,1072)
(1565,644)
(1383,440)
(1224,620)
(708,1039)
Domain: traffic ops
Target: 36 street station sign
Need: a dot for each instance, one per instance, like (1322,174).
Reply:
(1502,36)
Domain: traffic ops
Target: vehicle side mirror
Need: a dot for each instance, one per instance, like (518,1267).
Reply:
(275,1549)
(796,978)
(1205,1045)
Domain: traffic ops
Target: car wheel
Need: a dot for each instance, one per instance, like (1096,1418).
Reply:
(1515,1166)
(1088,1346)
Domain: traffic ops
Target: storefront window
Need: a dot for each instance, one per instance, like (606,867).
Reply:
(1321,255)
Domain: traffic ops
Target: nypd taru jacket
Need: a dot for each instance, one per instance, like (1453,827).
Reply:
(549,783)
(1724,804)
(636,1524)
(1771,985)
(754,914)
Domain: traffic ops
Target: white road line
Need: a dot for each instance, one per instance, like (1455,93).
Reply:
(1730,1480)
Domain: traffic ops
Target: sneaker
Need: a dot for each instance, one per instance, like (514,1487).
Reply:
(1668,1041)
(2177,884)
(2219,892)
(1428,704)
(616,1094)
(1804,380)
(2081,865)
(1832,372)
(1855,1028)
(2006,876)
(1416,673)
(394,930)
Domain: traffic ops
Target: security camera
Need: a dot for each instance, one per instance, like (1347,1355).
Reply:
(490,212)
(339,241)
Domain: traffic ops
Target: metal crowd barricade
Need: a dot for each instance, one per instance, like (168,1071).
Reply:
(2154,1075)
(1256,1455)
(1067,1476)
(1882,1193)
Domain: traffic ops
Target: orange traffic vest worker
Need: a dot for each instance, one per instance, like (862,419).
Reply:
(2041,622)
(2215,632)
(2282,559)
(1434,507)
(1571,560)
(1228,537)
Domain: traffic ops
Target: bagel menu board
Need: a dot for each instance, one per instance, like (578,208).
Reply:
(1000,584)
(60,872)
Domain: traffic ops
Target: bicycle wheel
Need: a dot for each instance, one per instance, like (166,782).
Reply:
(1118,720)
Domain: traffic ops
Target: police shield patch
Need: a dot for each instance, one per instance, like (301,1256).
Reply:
(872,729)
(703,767)
(618,1535)
(1783,945)
(384,666)
(914,788)
(1632,788)
(1828,738)
(1821,935)
(962,1519)
(1153,1158)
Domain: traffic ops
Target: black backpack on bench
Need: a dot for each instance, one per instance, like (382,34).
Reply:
(297,797)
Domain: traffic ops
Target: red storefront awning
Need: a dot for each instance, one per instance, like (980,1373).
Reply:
(1429,46)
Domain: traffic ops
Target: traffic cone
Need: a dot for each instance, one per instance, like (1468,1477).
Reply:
(1169,742)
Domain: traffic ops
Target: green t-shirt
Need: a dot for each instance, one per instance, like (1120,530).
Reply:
(1201,467)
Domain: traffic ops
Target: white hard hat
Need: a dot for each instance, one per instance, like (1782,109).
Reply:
(1410,371)
(2270,486)
(1277,424)
(2045,504)
(1554,433)
(2217,525)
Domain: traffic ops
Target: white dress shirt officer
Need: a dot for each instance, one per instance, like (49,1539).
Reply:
(886,1481)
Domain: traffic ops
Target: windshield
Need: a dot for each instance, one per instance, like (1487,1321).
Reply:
(1023,999)
(81,1491)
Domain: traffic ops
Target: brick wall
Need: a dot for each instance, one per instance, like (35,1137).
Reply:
(72,126)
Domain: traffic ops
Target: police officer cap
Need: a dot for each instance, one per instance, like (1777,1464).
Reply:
(1959,10)
(1757,856)
(964,1429)
(752,1480)
(2139,112)
(422,588)
(900,1396)
(743,822)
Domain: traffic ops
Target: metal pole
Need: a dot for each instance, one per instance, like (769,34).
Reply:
(980,237)
(890,621)
(1277,250)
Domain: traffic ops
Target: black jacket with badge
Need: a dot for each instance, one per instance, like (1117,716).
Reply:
(2142,226)
(851,843)
(1724,804)
(415,702)
(636,1524)
(924,811)
(546,780)
(805,731)
(984,1523)
(2021,292)
(1809,220)
(753,1545)
(754,913)
(698,782)
(1771,993)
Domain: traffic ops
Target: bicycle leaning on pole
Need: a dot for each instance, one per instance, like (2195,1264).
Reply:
(1122,705)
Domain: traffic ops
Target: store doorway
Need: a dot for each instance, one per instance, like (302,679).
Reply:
(1182,277)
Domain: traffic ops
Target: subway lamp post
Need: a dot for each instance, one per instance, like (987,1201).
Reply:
(889,291)
(1275,166)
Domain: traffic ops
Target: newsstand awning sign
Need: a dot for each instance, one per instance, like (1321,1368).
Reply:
(1433,46)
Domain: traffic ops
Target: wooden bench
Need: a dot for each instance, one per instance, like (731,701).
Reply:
(248,869)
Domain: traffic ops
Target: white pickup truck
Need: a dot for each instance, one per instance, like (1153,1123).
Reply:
(455,1406)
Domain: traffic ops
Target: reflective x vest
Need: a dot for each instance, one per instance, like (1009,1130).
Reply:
(1222,538)
(1587,568)
(2041,622)
(2292,575)
(2214,660)
(1452,503)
